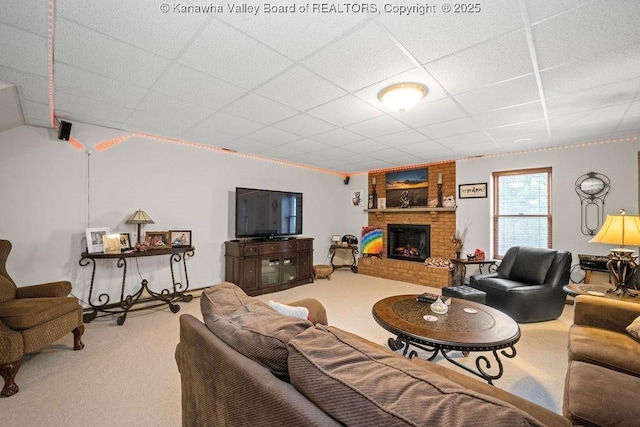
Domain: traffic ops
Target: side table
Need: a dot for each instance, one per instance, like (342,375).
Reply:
(460,268)
(349,248)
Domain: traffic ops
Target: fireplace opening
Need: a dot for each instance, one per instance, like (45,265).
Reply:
(408,242)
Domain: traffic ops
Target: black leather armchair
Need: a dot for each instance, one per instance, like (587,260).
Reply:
(528,283)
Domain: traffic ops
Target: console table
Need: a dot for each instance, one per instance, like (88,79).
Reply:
(349,248)
(166,296)
(460,268)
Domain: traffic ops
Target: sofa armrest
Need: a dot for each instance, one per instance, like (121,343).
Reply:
(606,313)
(60,288)
(317,312)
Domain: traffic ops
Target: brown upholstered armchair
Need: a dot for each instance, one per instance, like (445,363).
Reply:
(32,317)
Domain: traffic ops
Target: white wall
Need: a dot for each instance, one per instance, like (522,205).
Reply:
(51,192)
(618,161)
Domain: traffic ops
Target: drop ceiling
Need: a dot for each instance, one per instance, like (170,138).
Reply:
(302,87)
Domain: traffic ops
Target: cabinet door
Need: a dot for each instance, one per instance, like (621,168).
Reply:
(249,273)
(270,272)
(289,268)
(305,268)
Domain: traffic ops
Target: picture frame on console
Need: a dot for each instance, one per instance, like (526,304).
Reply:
(94,239)
(472,191)
(157,239)
(180,238)
(111,243)
(125,242)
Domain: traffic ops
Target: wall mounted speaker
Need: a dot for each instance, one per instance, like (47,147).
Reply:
(346,180)
(65,130)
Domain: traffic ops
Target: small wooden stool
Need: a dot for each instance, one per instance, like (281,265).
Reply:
(322,271)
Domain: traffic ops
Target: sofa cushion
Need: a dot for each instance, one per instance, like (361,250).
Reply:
(26,313)
(603,347)
(359,383)
(250,326)
(531,265)
(597,396)
(634,328)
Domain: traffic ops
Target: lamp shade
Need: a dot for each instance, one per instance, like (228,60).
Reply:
(402,97)
(140,217)
(619,230)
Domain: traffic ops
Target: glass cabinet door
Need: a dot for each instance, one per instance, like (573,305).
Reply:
(270,272)
(289,269)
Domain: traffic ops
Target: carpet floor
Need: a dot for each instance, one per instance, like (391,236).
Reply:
(127,375)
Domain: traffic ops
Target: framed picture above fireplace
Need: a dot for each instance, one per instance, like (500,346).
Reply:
(407,188)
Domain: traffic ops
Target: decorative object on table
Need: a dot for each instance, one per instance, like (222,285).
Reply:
(356,198)
(413,183)
(432,203)
(592,188)
(382,203)
(480,255)
(372,241)
(458,240)
(139,217)
(125,242)
(621,230)
(94,239)
(180,238)
(157,239)
(111,243)
(439,307)
(373,196)
(471,257)
(449,202)
(472,191)
(335,239)
(439,205)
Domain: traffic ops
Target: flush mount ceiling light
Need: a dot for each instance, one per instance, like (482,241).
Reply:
(403,96)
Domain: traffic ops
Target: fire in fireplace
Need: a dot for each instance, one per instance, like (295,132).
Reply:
(408,242)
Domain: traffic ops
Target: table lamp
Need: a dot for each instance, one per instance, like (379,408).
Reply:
(139,217)
(621,230)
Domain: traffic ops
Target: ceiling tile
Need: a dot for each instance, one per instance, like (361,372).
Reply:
(399,139)
(510,93)
(117,60)
(519,130)
(173,109)
(345,111)
(36,114)
(510,115)
(428,113)
(453,127)
(338,137)
(228,123)
(300,88)
(226,53)
(23,51)
(542,9)
(304,125)
(454,142)
(422,34)
(359,59)
(587,31)
(272,136)
(73,107)
(486,64)
(260,109)
(32,87)
(379,126)
(28,15)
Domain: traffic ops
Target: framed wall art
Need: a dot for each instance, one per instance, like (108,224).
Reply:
(407,188)
(472,191)
(111,243)
(180,238)
(157,239)
(94,239)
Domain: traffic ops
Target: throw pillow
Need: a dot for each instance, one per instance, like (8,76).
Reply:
(634,328)
(288,310)
(250,326)
(360,383)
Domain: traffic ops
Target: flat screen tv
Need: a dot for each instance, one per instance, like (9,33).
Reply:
(267,214)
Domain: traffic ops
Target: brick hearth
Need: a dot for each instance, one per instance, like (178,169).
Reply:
(443,226)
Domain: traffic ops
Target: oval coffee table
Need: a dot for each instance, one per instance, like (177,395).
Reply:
(468,327)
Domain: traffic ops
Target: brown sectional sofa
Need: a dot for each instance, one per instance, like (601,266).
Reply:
(248,365)
(603,377)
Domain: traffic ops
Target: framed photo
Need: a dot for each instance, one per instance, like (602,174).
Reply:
(180,238)
(356,198)
(111,243)
(157,239)
(382,203)
(125,242)
(472,191)
(94,239)
(407,188)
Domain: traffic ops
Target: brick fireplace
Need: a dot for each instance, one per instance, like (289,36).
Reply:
(409,242)
(440,221)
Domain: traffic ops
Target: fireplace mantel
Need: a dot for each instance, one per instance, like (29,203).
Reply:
(410,210)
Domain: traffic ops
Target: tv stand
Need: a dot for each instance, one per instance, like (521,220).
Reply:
(263,266)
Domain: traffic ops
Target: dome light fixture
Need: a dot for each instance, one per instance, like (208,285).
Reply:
(402,96)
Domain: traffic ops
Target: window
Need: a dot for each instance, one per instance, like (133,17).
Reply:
(522,209)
